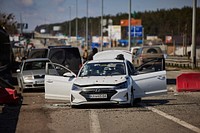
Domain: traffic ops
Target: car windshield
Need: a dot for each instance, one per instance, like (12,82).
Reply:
(103,69)
(34,65)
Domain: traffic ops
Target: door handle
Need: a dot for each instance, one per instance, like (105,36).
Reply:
(49,81)
(161,77)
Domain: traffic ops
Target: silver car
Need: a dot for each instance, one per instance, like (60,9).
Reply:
(31,73)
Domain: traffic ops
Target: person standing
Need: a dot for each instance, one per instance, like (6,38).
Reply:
(94,51)
(85,55)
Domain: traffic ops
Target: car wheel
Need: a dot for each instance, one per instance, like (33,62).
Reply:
(131,104)
(137,100)
(21,87)
(74,106)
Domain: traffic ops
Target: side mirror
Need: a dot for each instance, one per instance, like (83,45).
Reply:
(18,70)
(69,74)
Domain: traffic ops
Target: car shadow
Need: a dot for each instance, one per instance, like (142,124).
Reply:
(156,102)
(152,102)
(9,116)
(39,90)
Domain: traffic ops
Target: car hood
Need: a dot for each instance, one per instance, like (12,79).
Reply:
(100,80)
(34,72)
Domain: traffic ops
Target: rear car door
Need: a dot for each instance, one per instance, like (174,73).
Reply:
(149,82)
(57,84)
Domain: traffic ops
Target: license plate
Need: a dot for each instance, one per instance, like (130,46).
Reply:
(98,96)
(39,82)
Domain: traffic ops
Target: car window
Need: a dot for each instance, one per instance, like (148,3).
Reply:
(35,65)
(152,51)
(131,68)
(103,69)
(153,65)
(37,53)
(56,69)
(139,51)
(68,57)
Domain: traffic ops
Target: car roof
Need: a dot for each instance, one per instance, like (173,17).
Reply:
(154,46)
(37,59)
(104,60)
(112,54)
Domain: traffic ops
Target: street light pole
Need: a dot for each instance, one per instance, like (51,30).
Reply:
(193,49)
(70,21)
(101,25)
(129,25)
(86,34)
(76,20)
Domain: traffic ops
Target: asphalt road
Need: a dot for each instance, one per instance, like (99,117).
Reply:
(171,113)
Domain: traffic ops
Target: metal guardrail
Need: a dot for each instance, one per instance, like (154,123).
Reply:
(183,62)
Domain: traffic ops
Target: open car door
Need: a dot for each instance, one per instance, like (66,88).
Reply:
(58,82)
(150,80)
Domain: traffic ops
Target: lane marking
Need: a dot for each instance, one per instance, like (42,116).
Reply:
(172,118)
(94,122)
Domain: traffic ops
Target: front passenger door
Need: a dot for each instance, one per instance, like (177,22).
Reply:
(57,85)
(149,82)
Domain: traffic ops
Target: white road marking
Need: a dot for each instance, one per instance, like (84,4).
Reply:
(170,117)
(94,122)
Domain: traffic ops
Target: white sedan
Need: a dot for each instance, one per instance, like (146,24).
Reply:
(101,81)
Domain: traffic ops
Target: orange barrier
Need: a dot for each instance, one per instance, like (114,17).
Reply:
(188,82)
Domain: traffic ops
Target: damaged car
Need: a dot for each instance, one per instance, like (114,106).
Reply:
(104,80)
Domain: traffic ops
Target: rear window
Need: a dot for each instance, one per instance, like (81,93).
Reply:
(68,57)
(37,53)
(155,50)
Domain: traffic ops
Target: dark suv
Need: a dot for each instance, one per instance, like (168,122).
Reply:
(67,56)
(150,56)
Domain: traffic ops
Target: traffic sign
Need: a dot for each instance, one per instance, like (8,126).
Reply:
(136,31)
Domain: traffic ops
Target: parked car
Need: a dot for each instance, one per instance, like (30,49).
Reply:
(145,54)
(104,81)
(31,73)
(6,56)
(8,94)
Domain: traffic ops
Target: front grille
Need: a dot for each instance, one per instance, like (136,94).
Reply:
(39,76)
(109,92)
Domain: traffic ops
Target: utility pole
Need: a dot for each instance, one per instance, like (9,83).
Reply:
(76,20)
(129,27)
(70,21)
(101,25)
(86,30)
(193,49)
(21,25)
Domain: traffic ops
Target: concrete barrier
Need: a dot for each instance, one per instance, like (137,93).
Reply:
(188,82)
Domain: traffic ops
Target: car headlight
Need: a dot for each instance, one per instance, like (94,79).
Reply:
(122,85)
(76,87)
(28,77)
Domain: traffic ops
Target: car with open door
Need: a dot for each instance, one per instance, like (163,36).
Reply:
(104,81)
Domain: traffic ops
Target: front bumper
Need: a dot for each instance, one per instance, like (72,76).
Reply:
(30,84)
(120,96)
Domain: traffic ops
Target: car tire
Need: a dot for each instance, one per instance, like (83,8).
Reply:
(131,104)
(137,101)
(21,87)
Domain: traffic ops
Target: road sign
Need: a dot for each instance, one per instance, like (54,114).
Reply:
(134,22)
(136,31)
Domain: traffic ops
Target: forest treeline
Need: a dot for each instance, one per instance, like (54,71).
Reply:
(161,22)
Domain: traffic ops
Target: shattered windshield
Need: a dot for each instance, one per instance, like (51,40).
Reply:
(103,69)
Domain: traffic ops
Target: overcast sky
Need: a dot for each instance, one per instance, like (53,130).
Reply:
(37,12)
